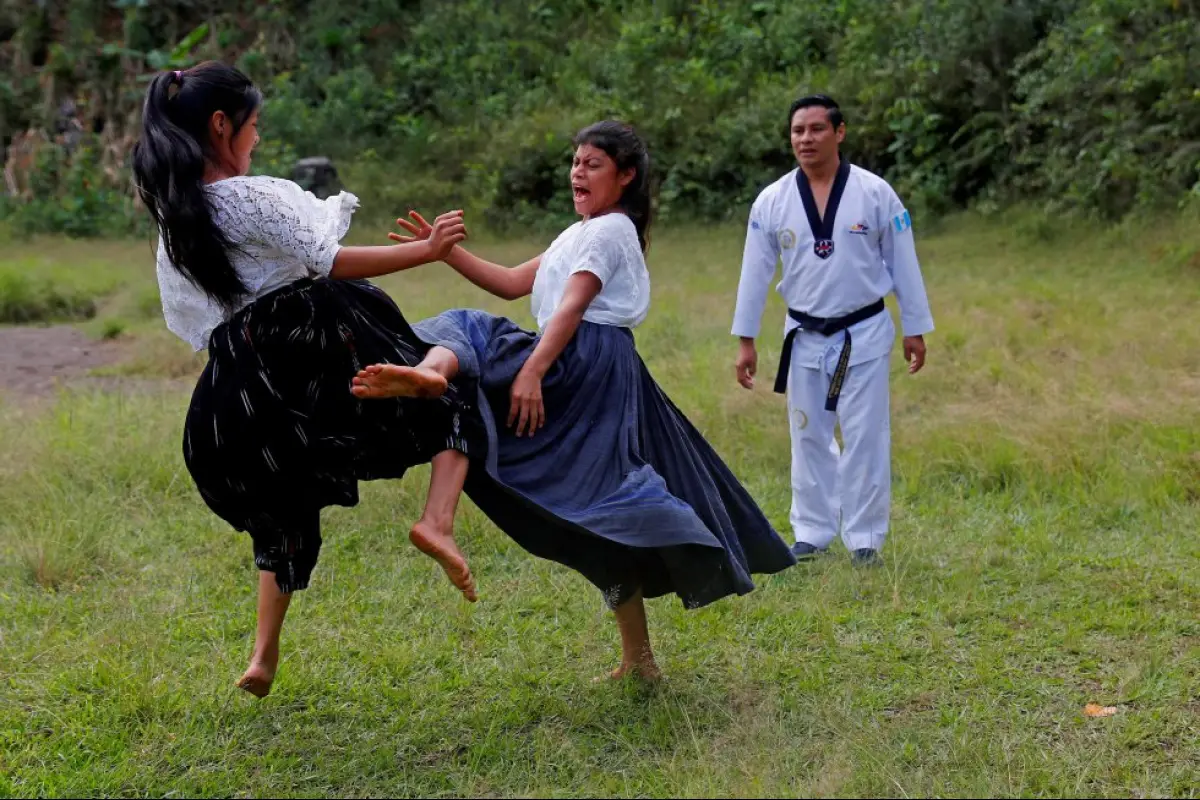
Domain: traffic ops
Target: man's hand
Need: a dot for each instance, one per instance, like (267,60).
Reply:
(747,363)
(914,353)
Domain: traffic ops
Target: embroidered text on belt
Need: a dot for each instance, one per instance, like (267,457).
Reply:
(826,326)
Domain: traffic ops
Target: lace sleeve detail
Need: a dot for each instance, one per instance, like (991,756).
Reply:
(189,313)
(278,214)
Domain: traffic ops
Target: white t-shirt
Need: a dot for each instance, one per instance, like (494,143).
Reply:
(282,233)
(606,246)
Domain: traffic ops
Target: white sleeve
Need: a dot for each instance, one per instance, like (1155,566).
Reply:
(899,255)
(189,313)
(602,249)
(759,257)
(279,214)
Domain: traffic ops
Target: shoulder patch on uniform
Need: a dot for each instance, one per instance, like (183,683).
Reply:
(902,222)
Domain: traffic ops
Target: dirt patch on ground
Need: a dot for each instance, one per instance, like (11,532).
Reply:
(40,360)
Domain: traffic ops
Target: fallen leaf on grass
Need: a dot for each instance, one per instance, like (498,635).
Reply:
(1096,710)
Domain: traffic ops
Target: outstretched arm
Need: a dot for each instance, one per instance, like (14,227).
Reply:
(504,282)
(526,407)
(352,263)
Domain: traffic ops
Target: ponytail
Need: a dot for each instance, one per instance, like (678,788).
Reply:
(169,161)
(628,151)
(635,201)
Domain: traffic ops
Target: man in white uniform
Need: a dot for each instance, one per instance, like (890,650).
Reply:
(846,241)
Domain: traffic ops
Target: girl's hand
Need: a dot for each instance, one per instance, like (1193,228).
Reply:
(525,405)
(448,230)
(419,228)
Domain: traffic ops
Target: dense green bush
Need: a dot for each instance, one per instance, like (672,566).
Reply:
(1110,106)
(1081,105)
(70,194)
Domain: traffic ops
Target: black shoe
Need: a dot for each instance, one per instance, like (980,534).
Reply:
(865,557)
(803,551)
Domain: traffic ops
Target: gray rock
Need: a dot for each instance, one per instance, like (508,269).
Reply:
(317,175)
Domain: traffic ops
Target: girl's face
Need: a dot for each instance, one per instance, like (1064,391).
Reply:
(234,150)
(596,184)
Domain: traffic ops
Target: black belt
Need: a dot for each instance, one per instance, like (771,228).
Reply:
(826,326)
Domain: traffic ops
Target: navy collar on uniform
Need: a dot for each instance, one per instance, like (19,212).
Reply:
(822,229)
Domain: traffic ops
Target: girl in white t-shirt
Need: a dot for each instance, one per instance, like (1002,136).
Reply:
(581,439)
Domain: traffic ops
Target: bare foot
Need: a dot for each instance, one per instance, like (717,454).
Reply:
(442,548)
(390,380)
(258,679)
(647,673)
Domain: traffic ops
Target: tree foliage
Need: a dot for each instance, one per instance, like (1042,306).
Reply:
(1084,105)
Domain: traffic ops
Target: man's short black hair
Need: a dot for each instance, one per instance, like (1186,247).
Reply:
(823,100)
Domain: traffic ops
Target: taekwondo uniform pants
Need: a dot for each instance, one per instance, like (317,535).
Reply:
(830,485)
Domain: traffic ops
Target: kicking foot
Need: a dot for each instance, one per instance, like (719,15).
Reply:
(442,548)
(390,380)
(258,679)
(647,673)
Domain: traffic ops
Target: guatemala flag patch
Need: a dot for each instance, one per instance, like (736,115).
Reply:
(902,222)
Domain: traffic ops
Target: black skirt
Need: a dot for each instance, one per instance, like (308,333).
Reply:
(273,434)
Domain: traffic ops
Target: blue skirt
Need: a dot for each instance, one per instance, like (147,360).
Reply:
(618,485)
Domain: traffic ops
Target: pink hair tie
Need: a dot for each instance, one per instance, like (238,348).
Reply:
(178,75)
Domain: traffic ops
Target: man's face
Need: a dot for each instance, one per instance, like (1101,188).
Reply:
(814,139)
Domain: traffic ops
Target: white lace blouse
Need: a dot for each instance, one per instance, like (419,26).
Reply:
(607,246)
(283,234)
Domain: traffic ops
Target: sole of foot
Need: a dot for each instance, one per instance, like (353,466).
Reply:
(442,549)
(381,381)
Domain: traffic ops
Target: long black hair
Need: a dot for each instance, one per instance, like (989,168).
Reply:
(169,159)
(623,145)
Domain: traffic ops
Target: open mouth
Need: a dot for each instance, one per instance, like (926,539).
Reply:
(580,193)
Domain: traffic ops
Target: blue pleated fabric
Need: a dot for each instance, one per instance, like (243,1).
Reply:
(618,485)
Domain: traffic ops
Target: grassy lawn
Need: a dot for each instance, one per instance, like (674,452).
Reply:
(1045,554)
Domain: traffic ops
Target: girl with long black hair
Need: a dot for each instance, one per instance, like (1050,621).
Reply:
(252,269)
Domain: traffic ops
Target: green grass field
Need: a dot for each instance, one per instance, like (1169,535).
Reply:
(1045,554)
